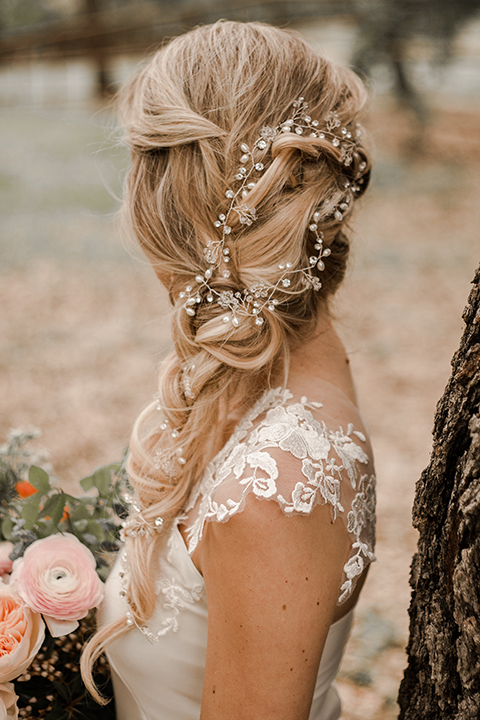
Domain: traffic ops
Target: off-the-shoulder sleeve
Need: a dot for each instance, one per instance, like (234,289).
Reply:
(288,453)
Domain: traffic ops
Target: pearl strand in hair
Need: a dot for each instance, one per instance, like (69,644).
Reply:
(253,301)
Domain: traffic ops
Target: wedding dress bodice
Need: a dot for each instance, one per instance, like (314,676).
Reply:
(286,449)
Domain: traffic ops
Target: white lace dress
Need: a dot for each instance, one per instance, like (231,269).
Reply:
(289,450)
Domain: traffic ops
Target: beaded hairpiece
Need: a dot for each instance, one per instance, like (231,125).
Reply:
(253,301)
(136,525)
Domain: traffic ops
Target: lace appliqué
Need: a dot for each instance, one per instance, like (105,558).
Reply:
(360,522)
(326,456)
(175,596)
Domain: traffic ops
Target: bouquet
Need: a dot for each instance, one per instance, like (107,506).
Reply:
(55,553)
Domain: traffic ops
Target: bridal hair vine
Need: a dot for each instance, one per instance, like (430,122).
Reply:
(136,525)
(253,301)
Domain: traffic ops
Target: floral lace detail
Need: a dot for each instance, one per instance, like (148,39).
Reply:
(176,595)
(360,521)
(329,464)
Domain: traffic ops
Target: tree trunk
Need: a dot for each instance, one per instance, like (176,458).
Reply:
(442,680)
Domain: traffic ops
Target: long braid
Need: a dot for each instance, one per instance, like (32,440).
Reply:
(186,115)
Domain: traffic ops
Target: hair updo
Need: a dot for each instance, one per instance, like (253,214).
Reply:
(186,115)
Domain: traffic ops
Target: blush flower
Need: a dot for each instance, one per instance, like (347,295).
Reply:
(57,577)
(5,562)
(8,702)
(21,635)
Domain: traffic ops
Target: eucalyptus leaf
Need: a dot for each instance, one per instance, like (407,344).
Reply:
(87,483)
(39,479)
(100,513)
(102,479)
(44,528)
(59,509)
(80,513)
(53,508)
(30,510)
(94,521)
(72,500)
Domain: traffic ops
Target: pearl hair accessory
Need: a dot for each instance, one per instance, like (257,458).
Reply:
(187,384)
(136,525)
(253,301)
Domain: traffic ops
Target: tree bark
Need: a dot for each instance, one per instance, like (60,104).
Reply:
(442,680)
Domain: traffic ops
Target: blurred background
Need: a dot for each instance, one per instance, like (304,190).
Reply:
(84,324)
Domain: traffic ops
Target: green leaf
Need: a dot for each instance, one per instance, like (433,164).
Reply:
(99,512)
(97,530)
(39,479)
(54,508)
(80,513)
(71,500)
(81,525)
(30,510)
(7,527)
(102,479)
(48,507)
(87,483)
(44,528)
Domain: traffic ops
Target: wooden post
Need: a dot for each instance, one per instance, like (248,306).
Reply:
(97,53)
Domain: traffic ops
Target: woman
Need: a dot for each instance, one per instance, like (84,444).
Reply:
(252,524)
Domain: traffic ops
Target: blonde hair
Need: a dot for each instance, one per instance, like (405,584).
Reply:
(186,115)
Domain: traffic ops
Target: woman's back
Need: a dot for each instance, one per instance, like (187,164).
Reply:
(286,449)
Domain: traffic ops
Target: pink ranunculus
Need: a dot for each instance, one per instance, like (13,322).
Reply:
(56,577)
(5,562)
(21,635)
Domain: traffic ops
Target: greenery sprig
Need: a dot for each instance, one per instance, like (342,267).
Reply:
(33,506)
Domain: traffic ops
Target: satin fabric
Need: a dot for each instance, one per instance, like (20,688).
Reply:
(164,680)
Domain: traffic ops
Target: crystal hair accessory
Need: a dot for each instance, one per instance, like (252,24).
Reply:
(253,301)
(187,383)
(136,525)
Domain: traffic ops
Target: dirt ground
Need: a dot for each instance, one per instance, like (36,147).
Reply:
(84,323)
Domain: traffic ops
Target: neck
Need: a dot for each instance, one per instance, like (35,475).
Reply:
(322,357)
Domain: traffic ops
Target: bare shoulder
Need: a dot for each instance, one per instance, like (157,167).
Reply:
(272,584)
(275,571)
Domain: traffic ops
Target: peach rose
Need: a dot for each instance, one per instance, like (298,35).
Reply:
(8,702)
(56,577)
(5,562)
(21,636)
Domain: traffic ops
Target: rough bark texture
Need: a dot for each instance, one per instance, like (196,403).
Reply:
(442,680)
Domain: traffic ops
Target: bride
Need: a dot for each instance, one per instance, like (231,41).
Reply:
(251,527)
